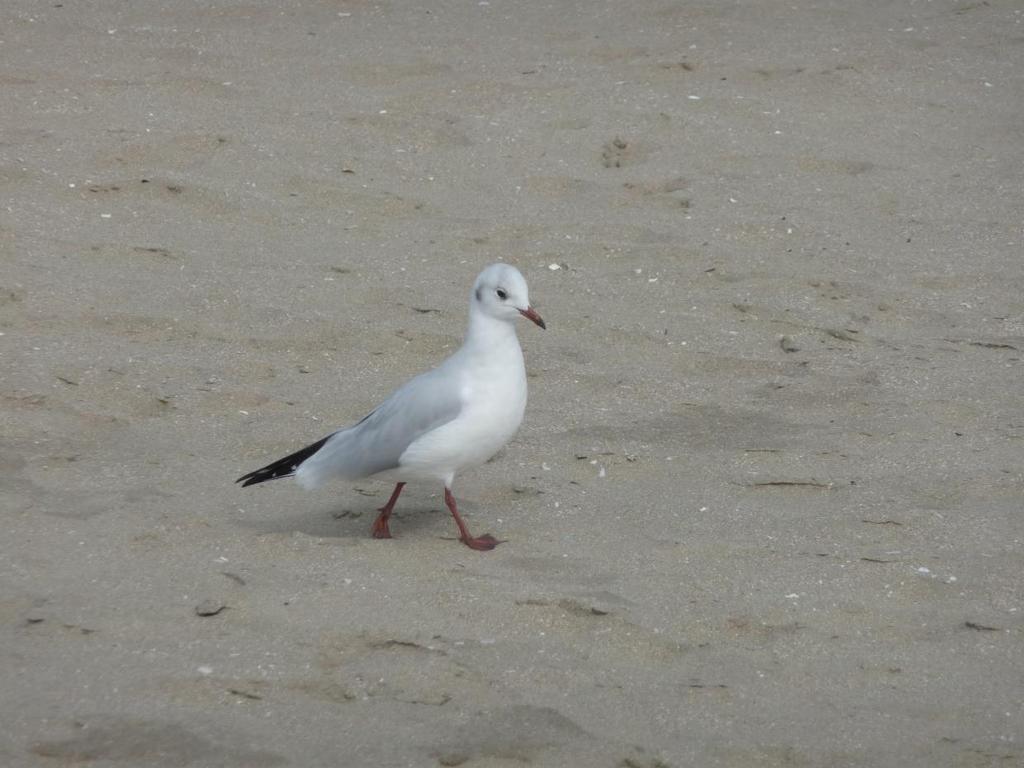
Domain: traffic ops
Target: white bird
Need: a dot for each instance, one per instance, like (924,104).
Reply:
(455,416)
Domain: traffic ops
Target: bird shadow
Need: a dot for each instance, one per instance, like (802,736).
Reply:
(349,520)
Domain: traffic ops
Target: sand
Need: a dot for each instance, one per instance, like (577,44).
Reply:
(766,505)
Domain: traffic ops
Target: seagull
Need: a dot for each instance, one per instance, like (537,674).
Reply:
(456,416)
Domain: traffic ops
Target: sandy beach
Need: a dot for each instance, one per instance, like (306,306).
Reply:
(767,504)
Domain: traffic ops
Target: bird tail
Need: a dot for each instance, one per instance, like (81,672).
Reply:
(282,467)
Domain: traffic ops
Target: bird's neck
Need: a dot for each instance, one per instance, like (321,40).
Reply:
(486,332)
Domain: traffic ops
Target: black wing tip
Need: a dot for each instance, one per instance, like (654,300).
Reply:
(262,475)
(282,467)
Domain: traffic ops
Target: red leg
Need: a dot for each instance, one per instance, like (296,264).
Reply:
(380,525)
(484,543)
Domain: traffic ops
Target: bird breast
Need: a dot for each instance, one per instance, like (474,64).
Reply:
(493,405)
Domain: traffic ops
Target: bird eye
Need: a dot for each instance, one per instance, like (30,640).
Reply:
(502,294)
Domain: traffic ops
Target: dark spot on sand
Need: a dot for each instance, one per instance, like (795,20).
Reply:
(210,607)
(981,627)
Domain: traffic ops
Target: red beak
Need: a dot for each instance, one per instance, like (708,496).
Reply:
(531,313)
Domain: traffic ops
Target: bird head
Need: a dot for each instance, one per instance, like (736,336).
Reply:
(500,291)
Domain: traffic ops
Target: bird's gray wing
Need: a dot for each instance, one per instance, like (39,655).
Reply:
(375,444)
